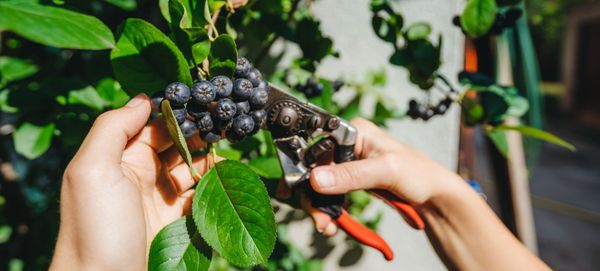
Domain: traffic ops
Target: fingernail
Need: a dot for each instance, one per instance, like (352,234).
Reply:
(324,178)
(331,229)
(137,100)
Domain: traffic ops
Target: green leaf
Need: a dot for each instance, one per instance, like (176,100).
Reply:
(537,134)
(177,136)
(472,112)
(352,110)
(124,4)
(266,167)
(324,100)
(112,93)
(54,26)
(86,96)
(418,31)
(401,57)
(478,17)
(145,60)
(233,212)
(12,69)
(163,5)
(5,233)
(32,140)
(179,246)
(517,106)
(382,113)
(223,56)
(498,137)
(192,41)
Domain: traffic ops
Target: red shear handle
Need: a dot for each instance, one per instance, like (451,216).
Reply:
(364,235)
(408,212)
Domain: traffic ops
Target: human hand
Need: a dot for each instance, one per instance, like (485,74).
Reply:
(382,163)
(126,182)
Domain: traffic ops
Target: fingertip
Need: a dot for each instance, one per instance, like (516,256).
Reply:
(322,179)
(331,229)
(321,219)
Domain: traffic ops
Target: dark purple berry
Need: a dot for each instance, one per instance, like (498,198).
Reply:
(203,92)
(242,88)
(427,114)
(264,85)
(254,76)
(180,114)
(211,136)
(177,93)
(242,67)
(260,117)
(225,109)
(223,85)
(243,108)
(188,128)
(223,124)
(234,137)
(196,110)
(337,85)
(443,106)
(259,98)
(155,100)
(243,124)
(204,122)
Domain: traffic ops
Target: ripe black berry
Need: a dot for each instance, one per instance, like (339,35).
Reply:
(242,88)
(180,114)
(427,114)
(233,137)
(223,124)
(204,122)
(225,109)
(243,125)
(337,85)
(196,110)
(211,136)
(254,76)
(260,117)
(242,67)
(243,108)
(156,99)
(203,92)
(263,85)
(223,85)
(177,93)
(188,128)
(443,106)
(259,98)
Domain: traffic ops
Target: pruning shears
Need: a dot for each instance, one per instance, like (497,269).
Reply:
(304,135)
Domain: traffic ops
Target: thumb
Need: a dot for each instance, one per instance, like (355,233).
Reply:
(355,175)
(113,129)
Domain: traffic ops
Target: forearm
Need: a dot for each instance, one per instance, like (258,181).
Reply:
(468,236)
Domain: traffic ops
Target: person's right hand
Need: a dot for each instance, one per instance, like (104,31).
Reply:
(382,163)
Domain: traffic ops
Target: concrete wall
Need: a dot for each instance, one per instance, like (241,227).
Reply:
(349,24)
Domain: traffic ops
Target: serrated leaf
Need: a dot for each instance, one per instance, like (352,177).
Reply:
(233,212)
(32,140)
(179,246)
(55,26)
(537,134)
(145,60)
(266,167)
(223,56)
(177,136)
(12,68)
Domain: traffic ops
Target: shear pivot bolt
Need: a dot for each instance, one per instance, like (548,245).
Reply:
(333,123)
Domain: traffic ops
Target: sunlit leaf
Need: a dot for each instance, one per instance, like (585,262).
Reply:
(32,140)
(537,134)
(177,136)
(478,17)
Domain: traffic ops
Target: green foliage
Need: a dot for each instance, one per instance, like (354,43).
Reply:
(478,17)
(32,140)
(233,212)
(177,136)
(145,60)
(223,56)
(55,27)
(178,246)
(12,69)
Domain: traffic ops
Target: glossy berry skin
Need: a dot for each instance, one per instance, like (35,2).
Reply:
(243,125)
(155,101)
(263,85)
(259,98)
(204,122)
(225,109)
(427,114)
(234,137)
(443,106)
(211,136)
(203,92)
(260,117)
(223,85)
(243,108)
(180,114)
(242,67)
(242,89)
(196,110)
(254,76)
(188,128)
(177,93)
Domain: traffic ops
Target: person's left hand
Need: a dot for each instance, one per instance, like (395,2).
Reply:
(126,182)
